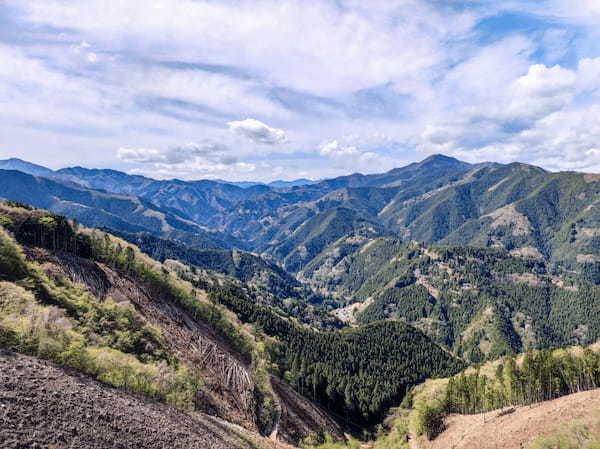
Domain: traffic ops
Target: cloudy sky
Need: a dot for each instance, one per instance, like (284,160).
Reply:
(282,89)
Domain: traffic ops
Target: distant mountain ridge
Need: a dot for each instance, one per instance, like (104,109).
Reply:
(73,172)
(26,167)
(99,208)
(518,207)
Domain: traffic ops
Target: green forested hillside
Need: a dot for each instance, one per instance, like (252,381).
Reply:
(480,303)
(266,282)
(517,207)
(501,385)
(315,234)
(538,377)
(355,373)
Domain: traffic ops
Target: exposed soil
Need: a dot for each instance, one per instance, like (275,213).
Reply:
(516,429)
(45,406)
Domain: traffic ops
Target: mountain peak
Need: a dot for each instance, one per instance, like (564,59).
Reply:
(442,158)
(24,166)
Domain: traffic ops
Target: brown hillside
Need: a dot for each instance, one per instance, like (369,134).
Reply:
(45,406)
(495,430)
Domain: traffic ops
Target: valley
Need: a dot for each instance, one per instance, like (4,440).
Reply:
(292,314)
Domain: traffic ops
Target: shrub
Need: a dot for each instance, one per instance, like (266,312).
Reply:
(430,420)
(12,262)
(5,220)
(572,436)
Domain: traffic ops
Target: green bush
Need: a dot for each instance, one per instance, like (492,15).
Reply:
(12,262)
(571,436)
(397,438)
(430,420)
(5,220)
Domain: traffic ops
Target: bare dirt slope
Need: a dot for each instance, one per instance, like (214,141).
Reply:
(517,429)
(45,406)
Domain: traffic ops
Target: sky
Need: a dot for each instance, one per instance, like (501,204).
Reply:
(285,89)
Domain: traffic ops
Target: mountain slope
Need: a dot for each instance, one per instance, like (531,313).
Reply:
(538,400)
(194,200)
(25,167)
(97,208)
(114,311)
(480,303)
(518,207)
(316,233)
(267,282)
(567,418)
(81,413)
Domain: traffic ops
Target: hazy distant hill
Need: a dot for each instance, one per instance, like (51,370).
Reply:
(25,167)
(99,208)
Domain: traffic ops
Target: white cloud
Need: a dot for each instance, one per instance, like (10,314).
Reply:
(351,159)
(199,153)
(141,75)
(290,44)
(589,74)
(557,121)
(334,149)
(257,131)
(545,82)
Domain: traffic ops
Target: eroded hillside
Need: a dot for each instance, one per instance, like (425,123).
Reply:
(95,304)
(44,405)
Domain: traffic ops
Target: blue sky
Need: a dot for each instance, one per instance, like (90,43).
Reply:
(280,89)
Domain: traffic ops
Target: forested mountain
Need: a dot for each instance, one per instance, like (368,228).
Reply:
(543,226)
(99,208)
(87,279)
(266,281)
(193,200)
(480,303)
(518,207)
(335,298)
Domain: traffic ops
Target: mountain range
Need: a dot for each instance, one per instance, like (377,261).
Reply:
(297,311)
(518,207)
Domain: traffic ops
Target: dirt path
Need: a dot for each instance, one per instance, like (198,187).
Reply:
(516,430)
